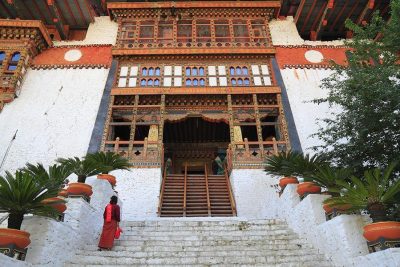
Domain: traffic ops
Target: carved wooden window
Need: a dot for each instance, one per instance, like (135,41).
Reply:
(241,31)
(150,76)
(259,31)
(261,75)
(128,34)
(13,62)
(203,31)
(239,76)
(2,57)
(146,31)
(165,31)
(128,76)
(222,31)
(195,76)
(184,31)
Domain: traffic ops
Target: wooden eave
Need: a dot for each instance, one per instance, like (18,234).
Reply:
(193,51)
(195,4)
(28,24)
(196,90)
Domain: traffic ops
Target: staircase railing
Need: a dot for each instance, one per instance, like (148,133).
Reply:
(231,198)
(207,190)
(164,177)
(184,191)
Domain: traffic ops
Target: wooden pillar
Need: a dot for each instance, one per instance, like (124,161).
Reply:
(258,122)
(133,125)
(231,127)
(284,132)
(107,124)
(161,128)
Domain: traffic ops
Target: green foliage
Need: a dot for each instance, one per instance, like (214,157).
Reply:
(54,177)
(82,168)
(108,161)
(377,187)
(23,193)
(293,163)
(327,176)
(365,134)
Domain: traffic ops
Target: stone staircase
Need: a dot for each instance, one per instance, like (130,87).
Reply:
(220,242)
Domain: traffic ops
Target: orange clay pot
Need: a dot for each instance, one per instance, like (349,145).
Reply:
(80,189)
(308,188)
(110,178)
(14,236)
(389,230)
(328,208)
(284,181)
(60,206)
(63,193)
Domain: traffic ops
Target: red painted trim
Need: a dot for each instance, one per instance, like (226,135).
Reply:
(320,14)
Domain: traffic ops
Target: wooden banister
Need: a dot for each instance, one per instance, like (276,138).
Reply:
(208,192)
(164,177)
(184,190)
(231,198)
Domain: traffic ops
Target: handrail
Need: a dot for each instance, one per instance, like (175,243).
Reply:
(228,183)
(207,190)
(184,190)
(164,177)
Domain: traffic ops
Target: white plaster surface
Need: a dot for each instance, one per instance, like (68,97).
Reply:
(139,190)
(340,239)
(102,31)
(54,116)
(73,55)
(284,32)
(7,261)
(254,193)
(314,56)
(386,258)
(53,243)
(302,86)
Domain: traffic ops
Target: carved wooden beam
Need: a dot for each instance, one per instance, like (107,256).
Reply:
(299,10)
(322,22)
(369,6)
(55,13)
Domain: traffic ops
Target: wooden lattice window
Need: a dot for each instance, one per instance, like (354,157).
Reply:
(165,31)
(203,31)
(241,31)
(150,76)
(146,31)
(259,31)
(2,57)
(13,62)
(222,31)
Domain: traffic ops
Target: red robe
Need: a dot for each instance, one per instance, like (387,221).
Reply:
(109,228)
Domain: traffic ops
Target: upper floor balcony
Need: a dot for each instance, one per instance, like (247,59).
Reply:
(209,27)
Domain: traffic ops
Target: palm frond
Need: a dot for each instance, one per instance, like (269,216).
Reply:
(108,161)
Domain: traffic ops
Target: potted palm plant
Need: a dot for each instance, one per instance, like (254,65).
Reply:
(376,193)
(24,193)
(82,168)
(107,162)
(327,176)
(292,163)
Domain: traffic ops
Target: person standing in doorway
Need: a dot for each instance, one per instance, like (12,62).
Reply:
(112,217)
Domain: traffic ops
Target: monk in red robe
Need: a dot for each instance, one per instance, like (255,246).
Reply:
(111,222)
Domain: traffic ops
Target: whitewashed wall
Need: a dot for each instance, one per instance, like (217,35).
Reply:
(101,31)
(139,190)
(254,193)
(302,86)
(54,115)
(284,32)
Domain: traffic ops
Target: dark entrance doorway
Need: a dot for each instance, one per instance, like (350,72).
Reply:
(195,142)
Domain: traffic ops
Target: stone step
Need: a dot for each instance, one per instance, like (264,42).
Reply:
(210,223)
(231,259)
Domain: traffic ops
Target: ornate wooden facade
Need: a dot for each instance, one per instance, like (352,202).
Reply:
(20,41)
(194,81)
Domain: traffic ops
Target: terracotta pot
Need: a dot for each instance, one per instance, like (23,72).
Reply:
(284,181)
(308,188)
(328,208)
(108,177)
(61,207)
(14,236)
(79,189)
(63,193)
(389,230)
